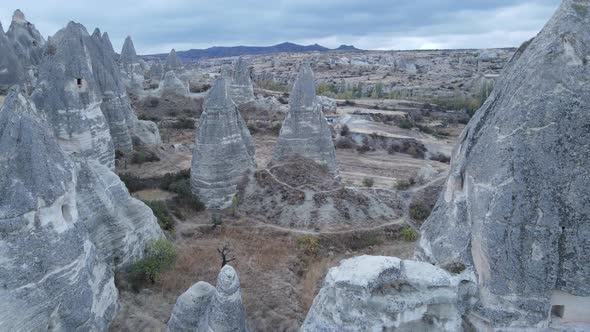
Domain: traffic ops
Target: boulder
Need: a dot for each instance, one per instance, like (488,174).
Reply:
(305,131)
(241,87)
(515,206)
(376,293)
(66,224)
(223,151)
(204,308)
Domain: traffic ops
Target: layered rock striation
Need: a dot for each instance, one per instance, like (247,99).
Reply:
(204,308)
(305,131)
(241,88)
(515,204)
(67,222)
(223,151)
(376,293)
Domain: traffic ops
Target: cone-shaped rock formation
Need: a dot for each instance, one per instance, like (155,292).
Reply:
(305,131)
(241,87)
(224,150)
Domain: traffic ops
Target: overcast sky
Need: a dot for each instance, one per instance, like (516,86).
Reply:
(156,26)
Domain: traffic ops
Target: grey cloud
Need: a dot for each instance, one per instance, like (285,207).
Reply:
(157,26)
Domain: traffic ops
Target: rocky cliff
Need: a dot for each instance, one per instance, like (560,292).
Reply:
(67,223)
(204,308)
(223,151)
(305,131)
(515,204)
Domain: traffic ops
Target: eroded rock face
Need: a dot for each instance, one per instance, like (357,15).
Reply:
(27,41)
(156,71)
(12,70)
(223,151)
(172,62)
(69,95)
(515,207)
(305,131)
(66,225)
(241,87)
(172,85)
(204,308)
(132,67)
(376,293)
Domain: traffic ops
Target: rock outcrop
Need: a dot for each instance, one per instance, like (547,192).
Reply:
(204,308)
(79,79)
(132,67)
(12,70)
(66,224)
(69,95)
(172,85)
(224,150)
(241,87)
(27,41)
(376,293)
(515,206)
(172,62)
(305,131)
(156,71)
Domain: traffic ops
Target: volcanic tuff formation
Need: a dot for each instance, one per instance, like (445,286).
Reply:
(79,79)
(515,208)
(305,131)
(12,70)
(204,308)
(223,151)
(66,225)
(241,87)
(132,67)
(171,84)
(172,62)
(372,293)
(27,41)
(156,71)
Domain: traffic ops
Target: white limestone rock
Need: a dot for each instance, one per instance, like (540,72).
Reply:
(172,85)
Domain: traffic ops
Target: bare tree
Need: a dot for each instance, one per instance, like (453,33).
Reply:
(226,254)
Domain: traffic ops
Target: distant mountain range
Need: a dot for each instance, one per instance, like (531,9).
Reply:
(229,51)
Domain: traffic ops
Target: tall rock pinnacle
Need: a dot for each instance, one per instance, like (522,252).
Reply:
(241,87)
(27,41)
(515,207)
(305,131)
(224,150)
(128,54)
(12,70)
(172,62)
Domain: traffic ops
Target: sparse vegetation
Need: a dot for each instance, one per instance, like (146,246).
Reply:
(345,143)
(368,182)
(276,128)
(140,157)
(273,86)
(183,123)
(345,131)
(419,211)
(160,255)
(405,184)
(162,213)
(408,234)
(309,244)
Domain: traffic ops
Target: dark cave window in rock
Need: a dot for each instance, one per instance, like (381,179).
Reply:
(79,82)
(557,311)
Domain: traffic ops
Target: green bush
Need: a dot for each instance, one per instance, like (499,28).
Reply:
(276,129)
(162,213)
(184,123)
(182,188)
(140,157)
(408,234)
(368,182)
(419,211)
(309,244)
(160,255)
(406,124)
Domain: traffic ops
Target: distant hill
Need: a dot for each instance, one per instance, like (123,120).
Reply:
(229,51)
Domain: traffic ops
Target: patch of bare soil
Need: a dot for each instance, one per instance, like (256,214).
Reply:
(279,276)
